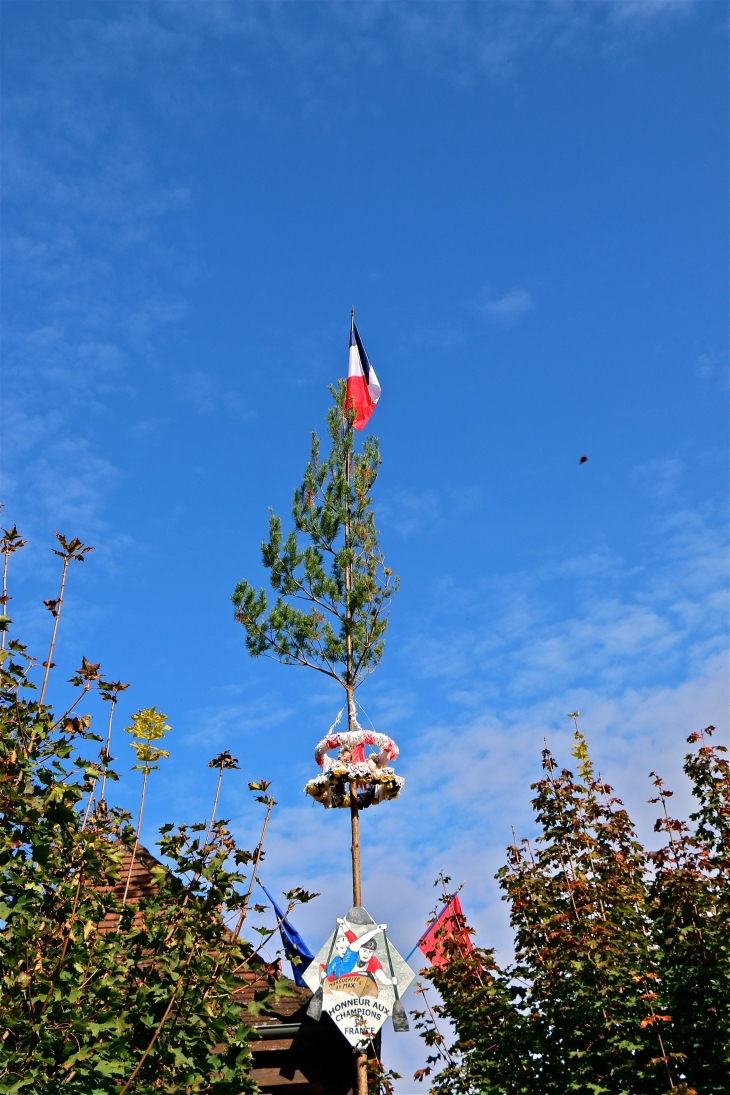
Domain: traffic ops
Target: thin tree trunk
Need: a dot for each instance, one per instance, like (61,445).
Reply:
(134,849)
(215,803)
(56,618)
(5,595)
(254,870)
(103,778)
(107,748)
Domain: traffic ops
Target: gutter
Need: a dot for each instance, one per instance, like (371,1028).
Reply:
(289,1030)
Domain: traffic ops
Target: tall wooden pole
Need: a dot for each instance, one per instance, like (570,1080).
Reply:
(350,686)
(354,812)
(361,1058)
(355,846)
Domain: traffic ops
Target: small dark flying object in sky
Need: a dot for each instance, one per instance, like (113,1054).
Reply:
(583,460)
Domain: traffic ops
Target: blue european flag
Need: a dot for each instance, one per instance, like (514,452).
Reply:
(295,948)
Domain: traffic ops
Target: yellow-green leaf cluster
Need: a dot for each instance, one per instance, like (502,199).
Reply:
(148,725)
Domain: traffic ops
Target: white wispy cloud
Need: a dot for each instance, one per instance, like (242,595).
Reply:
(713,366)
(92,286)
(223,723)
(643,12)
(458,41)
(439,337)
(412,513)
(506,308)
(52,476)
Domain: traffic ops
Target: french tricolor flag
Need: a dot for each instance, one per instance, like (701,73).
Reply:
(363,390)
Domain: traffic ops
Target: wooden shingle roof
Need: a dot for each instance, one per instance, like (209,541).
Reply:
(140,882)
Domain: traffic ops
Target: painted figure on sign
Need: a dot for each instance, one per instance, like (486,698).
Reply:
(347,950)
(368,963)
(344,958)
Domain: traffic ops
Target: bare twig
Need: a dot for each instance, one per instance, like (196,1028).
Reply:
(223,761)
(71,549)
(256,861)
(11,542)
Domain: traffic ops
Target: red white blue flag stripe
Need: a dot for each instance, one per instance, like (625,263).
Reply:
(363,389)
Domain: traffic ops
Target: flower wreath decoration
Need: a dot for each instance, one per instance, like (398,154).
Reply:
(373,775)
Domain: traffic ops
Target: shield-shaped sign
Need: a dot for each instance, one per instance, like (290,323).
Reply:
(358,977)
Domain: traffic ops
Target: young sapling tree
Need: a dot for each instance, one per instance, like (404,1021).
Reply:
(333,588)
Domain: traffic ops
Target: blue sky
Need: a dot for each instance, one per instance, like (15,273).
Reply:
(527,205)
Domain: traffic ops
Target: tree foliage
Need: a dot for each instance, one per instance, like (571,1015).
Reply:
(339,573)
(105,995)
(621,978)
(690,911)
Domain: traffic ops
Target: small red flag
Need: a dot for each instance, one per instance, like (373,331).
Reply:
(448,925)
